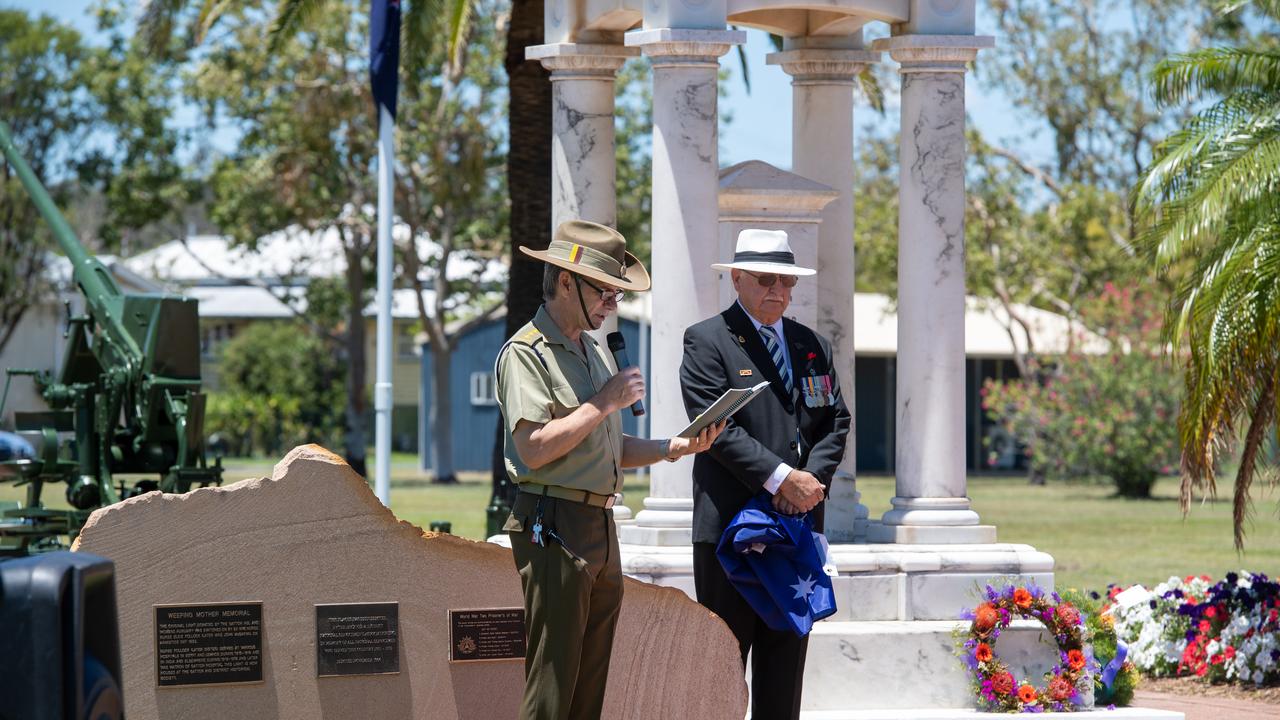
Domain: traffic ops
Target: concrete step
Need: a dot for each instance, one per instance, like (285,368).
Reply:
(1128,713)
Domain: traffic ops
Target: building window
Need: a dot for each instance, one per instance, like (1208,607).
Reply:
(212,338)
(406,343)
(482,389)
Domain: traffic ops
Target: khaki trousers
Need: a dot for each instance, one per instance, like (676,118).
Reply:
(572,595)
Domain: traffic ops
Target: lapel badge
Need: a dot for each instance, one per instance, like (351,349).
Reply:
(744,373)
(741,339)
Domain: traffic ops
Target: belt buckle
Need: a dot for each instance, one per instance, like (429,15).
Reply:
(613,499)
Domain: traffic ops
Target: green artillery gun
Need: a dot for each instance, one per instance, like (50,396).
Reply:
(128,388)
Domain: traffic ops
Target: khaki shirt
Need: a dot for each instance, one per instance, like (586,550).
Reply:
(542,376)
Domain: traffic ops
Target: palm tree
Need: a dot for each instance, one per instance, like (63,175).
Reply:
(1210,205)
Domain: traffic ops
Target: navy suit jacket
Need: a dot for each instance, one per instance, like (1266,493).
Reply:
(726,351)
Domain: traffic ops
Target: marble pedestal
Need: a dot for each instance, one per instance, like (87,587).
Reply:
(888,652)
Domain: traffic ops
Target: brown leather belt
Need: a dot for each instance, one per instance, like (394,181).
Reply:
(585,497)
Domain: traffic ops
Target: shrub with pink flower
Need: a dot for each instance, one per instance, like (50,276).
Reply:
(1090,415)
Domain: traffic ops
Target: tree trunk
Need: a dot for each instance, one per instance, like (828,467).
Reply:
(441,427)
(528,184)
(357,404)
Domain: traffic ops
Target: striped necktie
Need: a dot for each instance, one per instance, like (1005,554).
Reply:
(774,347)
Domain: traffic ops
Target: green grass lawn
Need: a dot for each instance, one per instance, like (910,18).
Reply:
(1095,539)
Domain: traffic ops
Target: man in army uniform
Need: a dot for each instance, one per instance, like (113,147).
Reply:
(561,400)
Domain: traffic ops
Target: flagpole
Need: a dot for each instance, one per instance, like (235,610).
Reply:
(382,398)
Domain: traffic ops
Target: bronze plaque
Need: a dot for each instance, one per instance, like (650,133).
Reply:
(357,639)
(486,634)
(208,644)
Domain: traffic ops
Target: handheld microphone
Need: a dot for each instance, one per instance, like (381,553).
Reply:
(618,346)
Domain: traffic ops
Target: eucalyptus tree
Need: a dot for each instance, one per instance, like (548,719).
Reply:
(1210,203)
(89,118)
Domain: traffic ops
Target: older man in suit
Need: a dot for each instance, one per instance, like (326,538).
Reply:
(787,443)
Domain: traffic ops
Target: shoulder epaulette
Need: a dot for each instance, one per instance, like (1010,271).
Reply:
(529,337)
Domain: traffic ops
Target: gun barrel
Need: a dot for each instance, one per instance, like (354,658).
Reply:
(100,289)
(89,272)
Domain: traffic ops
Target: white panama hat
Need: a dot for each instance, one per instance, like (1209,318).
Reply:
(764,251)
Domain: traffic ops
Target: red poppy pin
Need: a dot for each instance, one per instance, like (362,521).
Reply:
(811,356)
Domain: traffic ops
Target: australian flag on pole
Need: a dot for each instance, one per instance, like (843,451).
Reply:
(384,52)
(776,562)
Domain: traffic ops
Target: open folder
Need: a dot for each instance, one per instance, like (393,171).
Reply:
(727,404)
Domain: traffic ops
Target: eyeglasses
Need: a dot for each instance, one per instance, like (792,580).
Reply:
(788,281)
(606,294)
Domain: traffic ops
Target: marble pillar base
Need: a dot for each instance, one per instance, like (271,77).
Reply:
(878,532)
(664,522)
(932,521)
(846,516)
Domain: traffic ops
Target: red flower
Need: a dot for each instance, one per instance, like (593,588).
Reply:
(1211,612)
(1229,653)
(1205,627)
(1068,615)
(1002,683)
(1216,659)
(1022,598)
(982,652)
(1027,694)
(1059,688)
(1075,659)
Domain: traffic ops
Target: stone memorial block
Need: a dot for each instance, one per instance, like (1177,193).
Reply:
(286,597)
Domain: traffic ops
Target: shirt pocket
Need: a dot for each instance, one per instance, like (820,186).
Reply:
(565,399)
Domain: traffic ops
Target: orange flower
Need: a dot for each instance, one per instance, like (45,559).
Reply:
(985,618)
(1075,659)
(982,652)
(1027,694)
(1022,598)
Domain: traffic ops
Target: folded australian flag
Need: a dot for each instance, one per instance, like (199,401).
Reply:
(775,561)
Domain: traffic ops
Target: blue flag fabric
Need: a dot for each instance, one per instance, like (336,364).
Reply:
(775,562)
(384,52)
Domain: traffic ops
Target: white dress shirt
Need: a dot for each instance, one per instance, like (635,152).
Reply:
(779,473)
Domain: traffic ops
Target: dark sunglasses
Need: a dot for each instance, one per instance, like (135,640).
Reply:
(605,294)
(788,281)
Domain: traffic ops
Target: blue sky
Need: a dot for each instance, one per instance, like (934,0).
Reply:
(761,126)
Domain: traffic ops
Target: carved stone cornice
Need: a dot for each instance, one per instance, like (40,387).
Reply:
(934,53)
(818,66)
(581,61)
(679,46)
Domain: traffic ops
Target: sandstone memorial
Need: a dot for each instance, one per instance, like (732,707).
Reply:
(301,596)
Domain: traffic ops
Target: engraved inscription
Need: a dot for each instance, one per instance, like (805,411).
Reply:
(208,644)
(357,639)
(486,634)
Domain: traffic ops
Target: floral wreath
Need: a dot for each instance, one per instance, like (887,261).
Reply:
(994,684)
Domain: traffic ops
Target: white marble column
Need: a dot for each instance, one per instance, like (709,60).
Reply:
(583,165)
(685,185)
(931,503)
(822,85)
